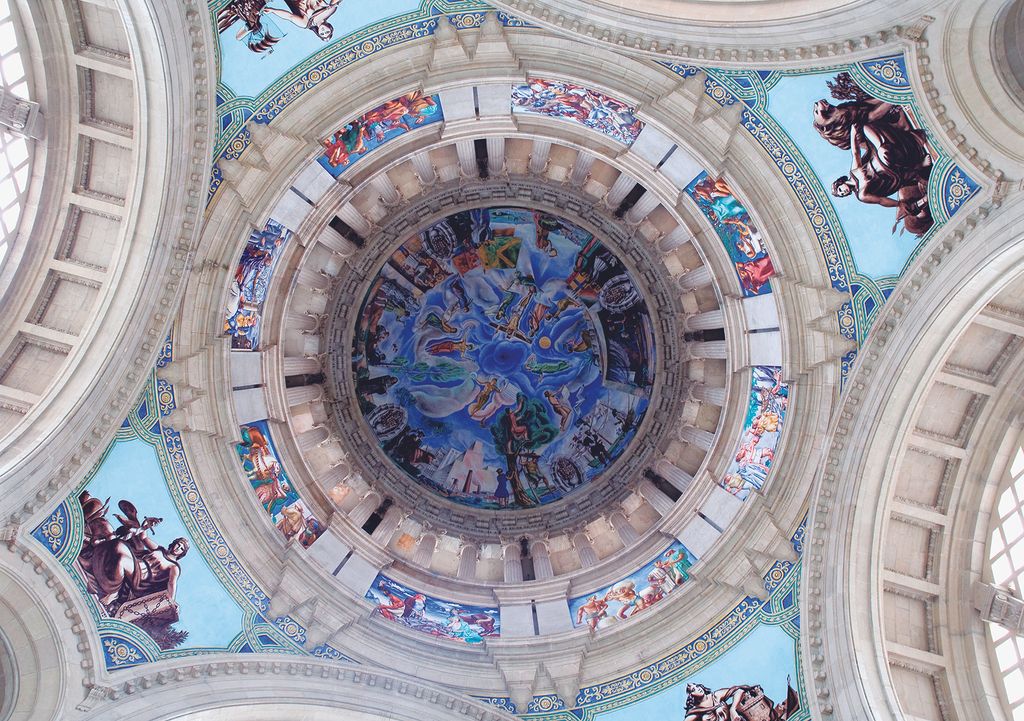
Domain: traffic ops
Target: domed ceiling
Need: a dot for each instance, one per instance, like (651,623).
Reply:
(506,366)
(503,358)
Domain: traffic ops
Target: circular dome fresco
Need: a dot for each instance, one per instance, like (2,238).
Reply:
(503,358)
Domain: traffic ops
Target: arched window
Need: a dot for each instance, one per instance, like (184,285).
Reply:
(1006,556)
(15,155)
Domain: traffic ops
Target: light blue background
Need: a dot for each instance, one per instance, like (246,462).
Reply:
(132,471)
(876,250)
(764,658)
(249,73)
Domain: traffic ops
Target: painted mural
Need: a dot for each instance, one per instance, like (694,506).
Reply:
(851,142)
(745,667)
(132,576)
(595,110)
(372,129)
(752,681)
(741,702)
(503,358)
(443,619)
(766,411)
(248,289)
(890,158)
(261,40)
(123,539)
(273,488)
(640,590)
(732,223)
(139,541)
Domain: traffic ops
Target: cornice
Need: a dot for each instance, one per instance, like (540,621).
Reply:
(847,33)
(163,691)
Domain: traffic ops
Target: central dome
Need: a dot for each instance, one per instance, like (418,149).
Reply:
(503,358)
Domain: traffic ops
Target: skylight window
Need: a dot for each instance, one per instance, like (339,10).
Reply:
(15,158)
(1006,555)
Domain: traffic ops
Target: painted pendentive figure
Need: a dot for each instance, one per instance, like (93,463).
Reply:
(737,703)
(132,577)
(260,37)
(890,157)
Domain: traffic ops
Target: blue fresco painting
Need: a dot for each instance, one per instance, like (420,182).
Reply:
(243,318)
(640,590)
(755,453)
(378,126)
(732,223)
(273,488)
(591,108)
(503,358)
(443,619)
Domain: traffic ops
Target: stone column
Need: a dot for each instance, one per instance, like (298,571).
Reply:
(314,280)
(467,158)
(655,496)
(354,219)
(704,321)
(389,523)
(708,349)
(696,278)
(619,190)
(674,238)
(696,437)
(313,437)
(335,241)
(584,549)
(622,526)
(467,561)
(708,394)
(424,552)
(334,476)
(495,155)
(581,169)
(387,191)
(539,156)
(424,168)
(541,560)
(295,366)
(513,564)
(673,474)
(642,208)
(303,322)
(365,508)
(303,394)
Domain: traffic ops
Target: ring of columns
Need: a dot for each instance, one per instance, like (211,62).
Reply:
(547,160)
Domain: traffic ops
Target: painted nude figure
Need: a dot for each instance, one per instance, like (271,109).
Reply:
(592,611)
(736,703)
(889,157)
(312,15)
(124,564)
